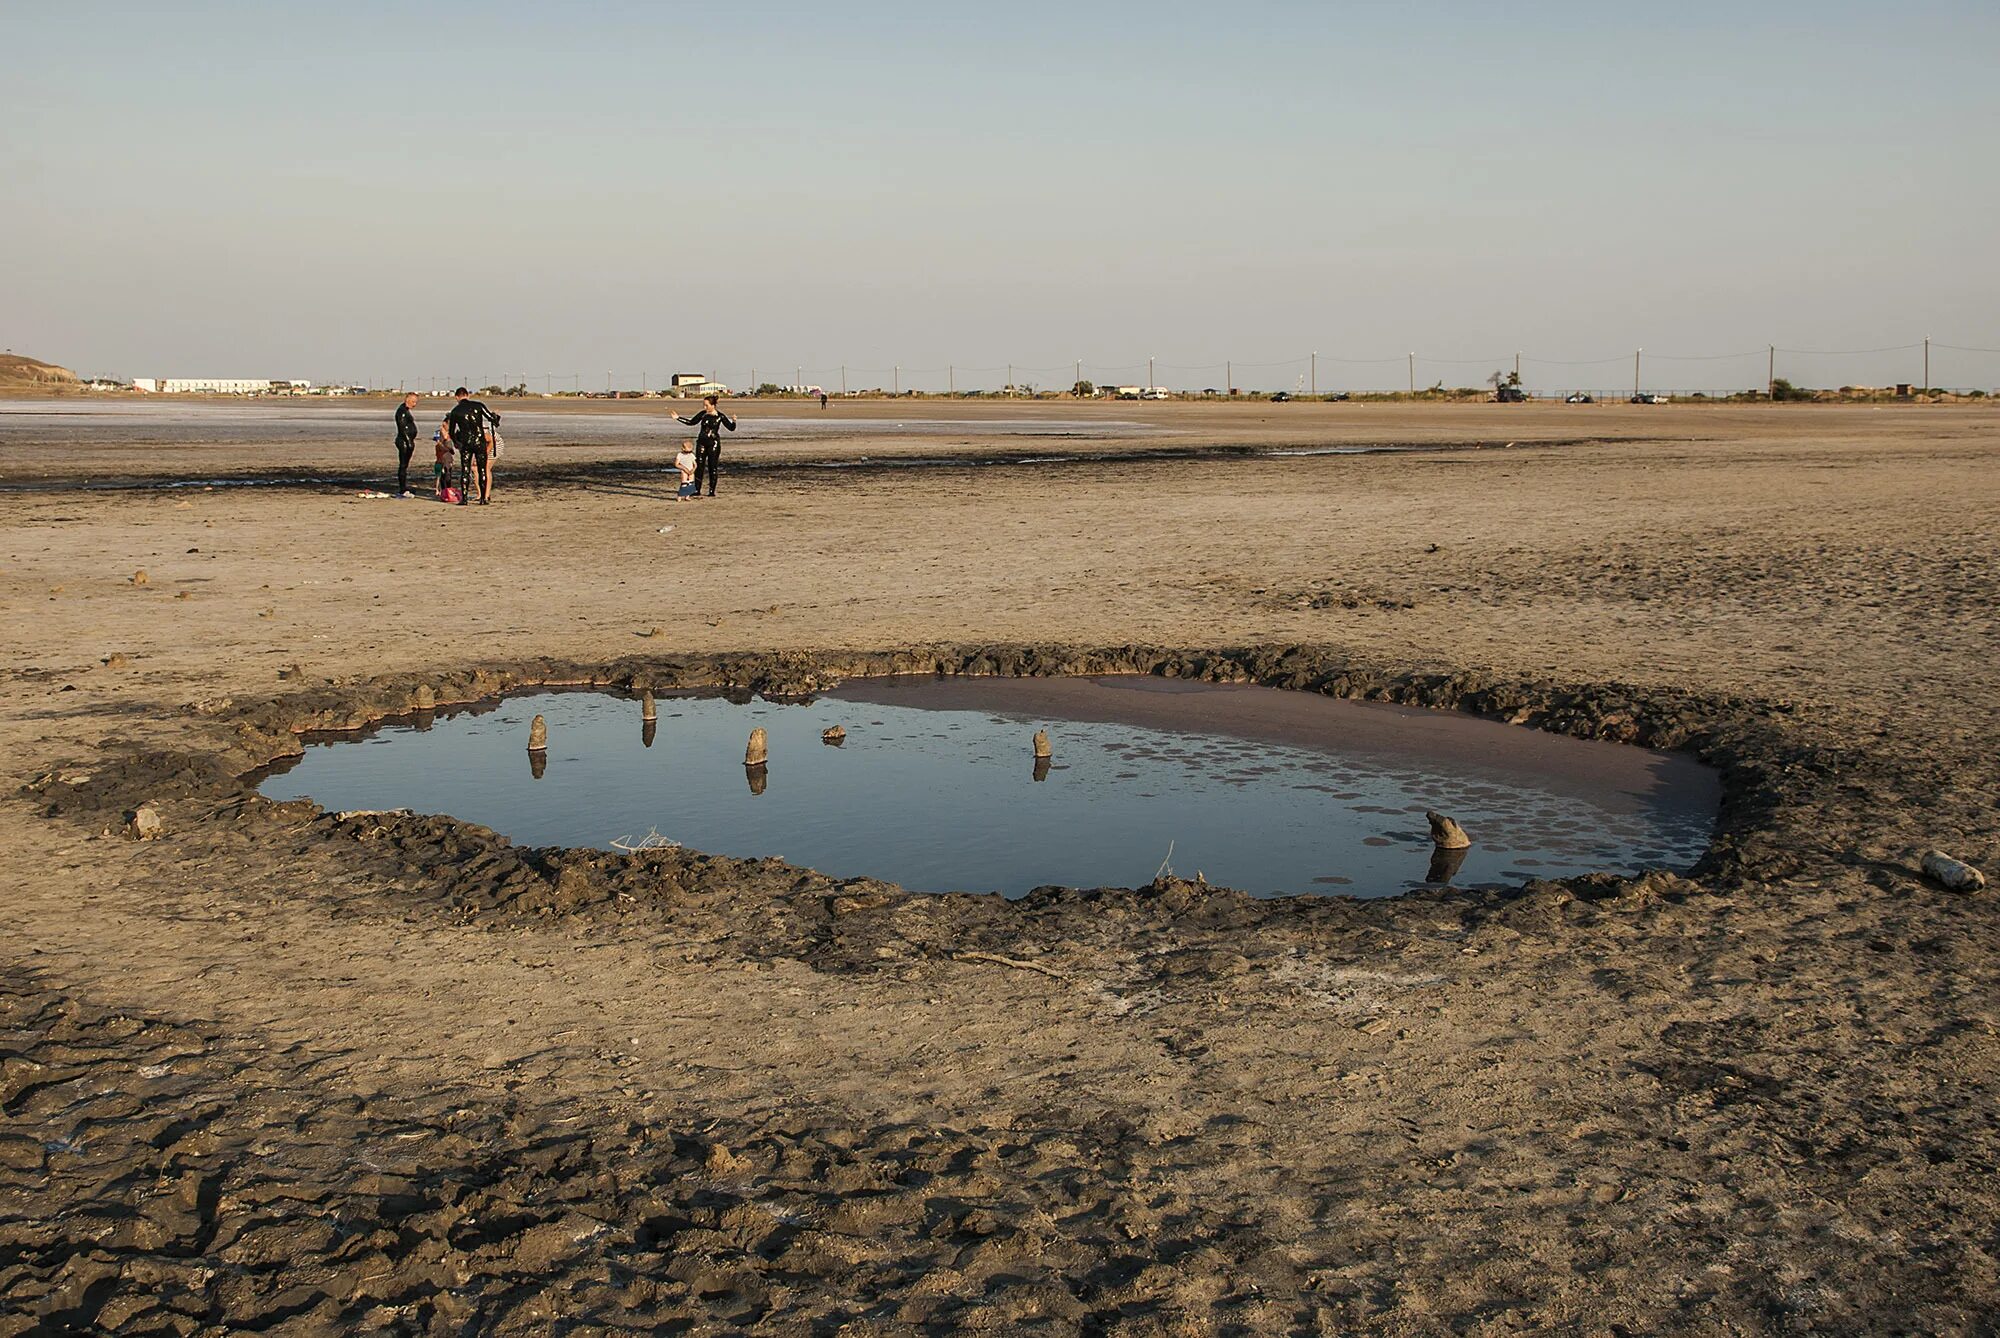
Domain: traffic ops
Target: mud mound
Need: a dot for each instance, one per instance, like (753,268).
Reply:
(17,371)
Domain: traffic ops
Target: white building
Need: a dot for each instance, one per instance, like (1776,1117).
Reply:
(148,384)
(213,385)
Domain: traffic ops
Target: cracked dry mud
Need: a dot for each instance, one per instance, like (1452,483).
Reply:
(282,1070)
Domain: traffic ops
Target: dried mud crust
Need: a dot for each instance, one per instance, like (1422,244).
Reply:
(1726,1167)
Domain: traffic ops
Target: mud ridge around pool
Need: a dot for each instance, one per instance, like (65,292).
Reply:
(1770,818)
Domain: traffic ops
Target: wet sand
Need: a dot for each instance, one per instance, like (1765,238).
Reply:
(278,1067)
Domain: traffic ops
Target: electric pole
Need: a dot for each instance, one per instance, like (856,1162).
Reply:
(1228,378)
(1517,366)
(843,380)
(1413,373)
(1635,372)
(896,380)
(1927,364)
(951,379)
(1149,373)
(1313,383)
(1079,378)
(1771,372)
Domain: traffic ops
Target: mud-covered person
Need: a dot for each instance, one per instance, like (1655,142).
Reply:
(708,424)
(470,425)
(406,441)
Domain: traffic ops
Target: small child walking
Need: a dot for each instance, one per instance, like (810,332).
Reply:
(441,471)
(685,463)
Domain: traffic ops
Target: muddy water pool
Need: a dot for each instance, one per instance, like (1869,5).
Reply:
(935,785)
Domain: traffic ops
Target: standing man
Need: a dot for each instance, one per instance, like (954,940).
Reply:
(406,442)
(470,424)
(708,425)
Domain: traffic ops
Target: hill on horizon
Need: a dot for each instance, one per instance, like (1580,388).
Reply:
(16,370)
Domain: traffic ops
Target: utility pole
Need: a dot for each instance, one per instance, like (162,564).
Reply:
(1313,384)
(896,380)
(951,379)
(1413,373)
(1635,372)
(843,380)
(1079,376)
(1927,364)
(799,377)
(1771,372)
(643,389)
(607,383)
(548,383)
(1010,378)
(1149,373)
(1517,366)
(1228,378)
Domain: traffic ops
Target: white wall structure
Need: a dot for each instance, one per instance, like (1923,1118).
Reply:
(213,385)
(149,384)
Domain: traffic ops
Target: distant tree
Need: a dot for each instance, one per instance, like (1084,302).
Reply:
(518,388)
(1083,390)
(770,388)
(491,390)
(1781,389)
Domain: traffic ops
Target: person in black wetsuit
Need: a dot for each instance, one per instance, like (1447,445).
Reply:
(708,425)
(406,442)
(468,424)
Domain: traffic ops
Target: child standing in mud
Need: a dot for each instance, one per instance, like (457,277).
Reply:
(684,462)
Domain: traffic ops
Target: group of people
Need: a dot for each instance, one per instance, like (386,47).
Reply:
(471,431)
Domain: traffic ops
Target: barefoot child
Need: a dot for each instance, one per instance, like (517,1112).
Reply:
(685,463)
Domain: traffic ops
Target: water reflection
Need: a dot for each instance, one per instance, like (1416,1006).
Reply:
(422,721)
(1445,864)
(930,796)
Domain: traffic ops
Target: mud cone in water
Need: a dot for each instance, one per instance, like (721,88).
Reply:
(757,775)
(756,754)
(538,736)
(426,699)
(1446,834)
(1042,748)
(835,736)
(648,711)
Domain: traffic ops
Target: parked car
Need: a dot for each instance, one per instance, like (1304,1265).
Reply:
(1649,399)
(1337,397)
(1578,398)
(1510,395)
(1282,397)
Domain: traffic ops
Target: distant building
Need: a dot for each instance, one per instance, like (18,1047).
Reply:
(213,385)
(149,385)
(690,380)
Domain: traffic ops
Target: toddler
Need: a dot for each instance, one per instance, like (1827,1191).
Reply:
(685,463)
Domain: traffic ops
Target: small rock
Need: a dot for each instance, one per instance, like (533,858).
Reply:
(758,751)
(116,660)
(426,698)
(146,824)
(290,671)
(1953,875)
(1446,834)
(139,577)
(1042,748)
(835,735)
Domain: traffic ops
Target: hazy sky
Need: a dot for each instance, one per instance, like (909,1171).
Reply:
(376,191)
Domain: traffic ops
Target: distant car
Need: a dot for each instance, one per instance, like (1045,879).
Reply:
(1510,395)
(1282,397)
(1578,398)
(1337,397)
(1649,399)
